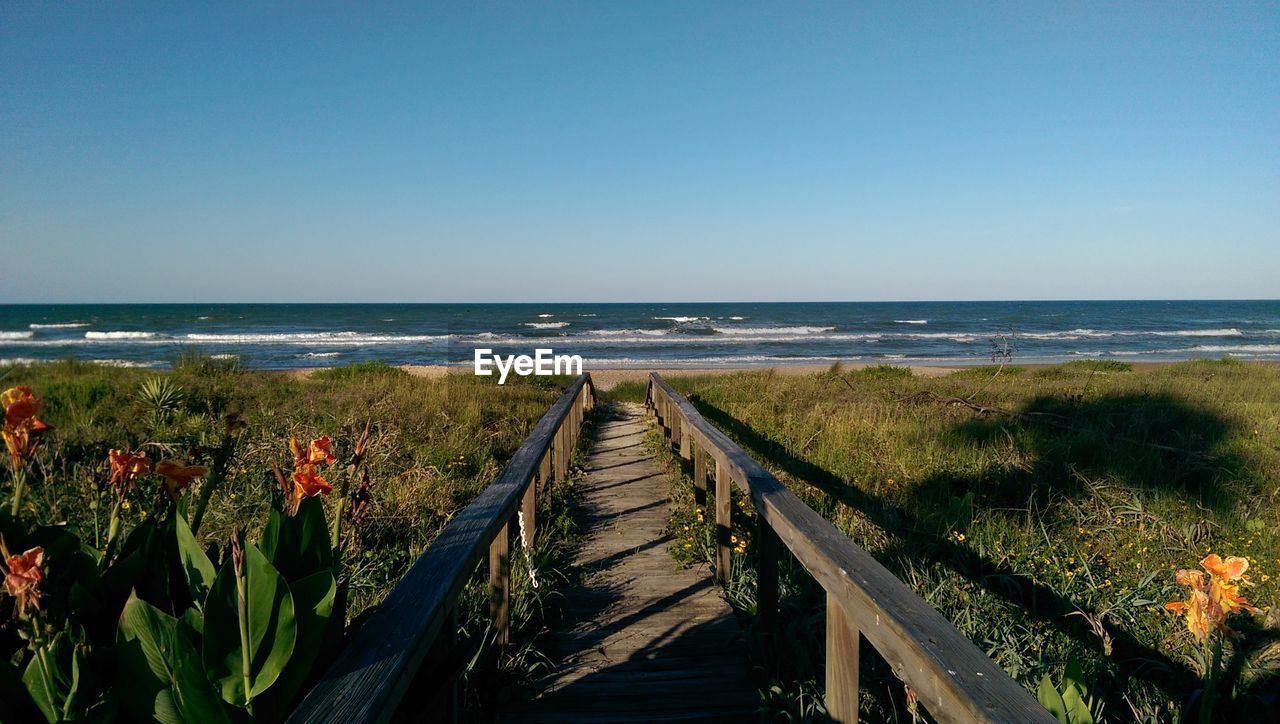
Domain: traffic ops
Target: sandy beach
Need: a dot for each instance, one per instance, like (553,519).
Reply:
(609,377)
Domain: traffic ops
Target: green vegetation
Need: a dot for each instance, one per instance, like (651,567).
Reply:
(132,567)
(1044,512)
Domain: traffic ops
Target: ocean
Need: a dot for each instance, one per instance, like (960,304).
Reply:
(279,336)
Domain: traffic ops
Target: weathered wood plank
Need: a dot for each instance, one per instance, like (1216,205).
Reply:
(842,665)
(642,640)
(953,678)
(724,525)
(500,585)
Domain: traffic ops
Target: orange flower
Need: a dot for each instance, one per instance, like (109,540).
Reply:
(178,476)
(308,484)
(1230,569)
(319,451)
(23,576)
(1196,612)
(1223,591)
(22,429)
(125,469)
(1213,597)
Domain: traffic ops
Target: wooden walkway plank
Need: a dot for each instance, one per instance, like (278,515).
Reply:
(643,640)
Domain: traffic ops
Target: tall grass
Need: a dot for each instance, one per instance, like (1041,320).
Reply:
(436,443)
(1043,511)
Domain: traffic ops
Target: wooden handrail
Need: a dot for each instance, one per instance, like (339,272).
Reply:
(370,676)
(954,680)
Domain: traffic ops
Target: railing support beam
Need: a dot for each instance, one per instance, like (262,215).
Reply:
(529,516)
(842,665)
(768,548)
(700,479)
(500,585)
(724,525)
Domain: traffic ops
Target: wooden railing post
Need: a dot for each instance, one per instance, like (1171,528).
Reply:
(842,665)
(529,515)
(700,478)
(684,442)
(724,525)
(768,548)
(674,437)
(500,585)
(454,694)
(544,473)
(561,450)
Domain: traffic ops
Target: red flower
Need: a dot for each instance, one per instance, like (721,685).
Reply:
(22,429)
(178,476)
(125,469)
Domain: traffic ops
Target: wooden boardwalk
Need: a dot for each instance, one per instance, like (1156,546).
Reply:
(643,640)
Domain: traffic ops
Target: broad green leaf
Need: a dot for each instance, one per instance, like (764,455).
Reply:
(196,566)
(270,623)
(1077,710)
(193,618)
(313,600)
(1074,676)
(52,678)
(298,545)
(1049,697)
(13,692)
(160,675)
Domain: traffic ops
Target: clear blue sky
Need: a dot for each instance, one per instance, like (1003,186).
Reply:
(532,151)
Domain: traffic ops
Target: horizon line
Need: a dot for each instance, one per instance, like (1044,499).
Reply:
(732,301)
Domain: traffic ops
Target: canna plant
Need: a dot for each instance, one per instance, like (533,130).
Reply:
(153,625)
(1212,595)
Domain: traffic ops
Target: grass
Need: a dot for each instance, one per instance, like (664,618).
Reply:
(1043,511)
(435,444)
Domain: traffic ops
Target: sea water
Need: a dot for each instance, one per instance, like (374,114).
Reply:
(277,336)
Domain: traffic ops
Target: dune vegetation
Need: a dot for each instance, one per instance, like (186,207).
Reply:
(137,503)
(1110,536)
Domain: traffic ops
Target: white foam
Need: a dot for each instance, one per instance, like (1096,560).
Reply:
(1246,348)
(1195,333)
(17,335)
(1094,333)
(764,331)
(119,335)
(304,338)
(627,332)
(322,355)
(911,321)
(546,325)
(682,320)
(63,325)
(6,361)
(124,363)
